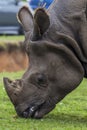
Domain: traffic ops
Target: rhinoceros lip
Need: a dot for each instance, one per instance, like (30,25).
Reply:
(32,111)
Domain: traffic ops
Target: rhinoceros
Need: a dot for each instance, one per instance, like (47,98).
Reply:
(56,45)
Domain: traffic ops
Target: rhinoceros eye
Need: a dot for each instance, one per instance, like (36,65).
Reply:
(39,80)
(42,80)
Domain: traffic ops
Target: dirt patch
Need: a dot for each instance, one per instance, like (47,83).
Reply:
(13,58)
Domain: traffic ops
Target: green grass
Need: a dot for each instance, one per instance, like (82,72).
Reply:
(69,114)
(13,38)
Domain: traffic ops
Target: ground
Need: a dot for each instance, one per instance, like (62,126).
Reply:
(12,58)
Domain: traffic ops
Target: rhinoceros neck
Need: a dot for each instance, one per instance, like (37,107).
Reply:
(69,18)
(66,16)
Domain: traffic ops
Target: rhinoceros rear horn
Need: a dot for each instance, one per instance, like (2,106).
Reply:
(25,17)
(41,23)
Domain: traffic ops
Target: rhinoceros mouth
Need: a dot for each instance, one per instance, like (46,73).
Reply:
(32,112)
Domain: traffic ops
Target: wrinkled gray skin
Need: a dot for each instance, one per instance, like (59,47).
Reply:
(56,44)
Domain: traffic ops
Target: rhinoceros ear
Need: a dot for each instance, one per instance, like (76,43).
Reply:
(41,22)
(25,17)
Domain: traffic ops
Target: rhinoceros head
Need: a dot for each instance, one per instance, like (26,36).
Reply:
(53,69)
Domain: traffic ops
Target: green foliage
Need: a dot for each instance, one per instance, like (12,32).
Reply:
(69,114)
